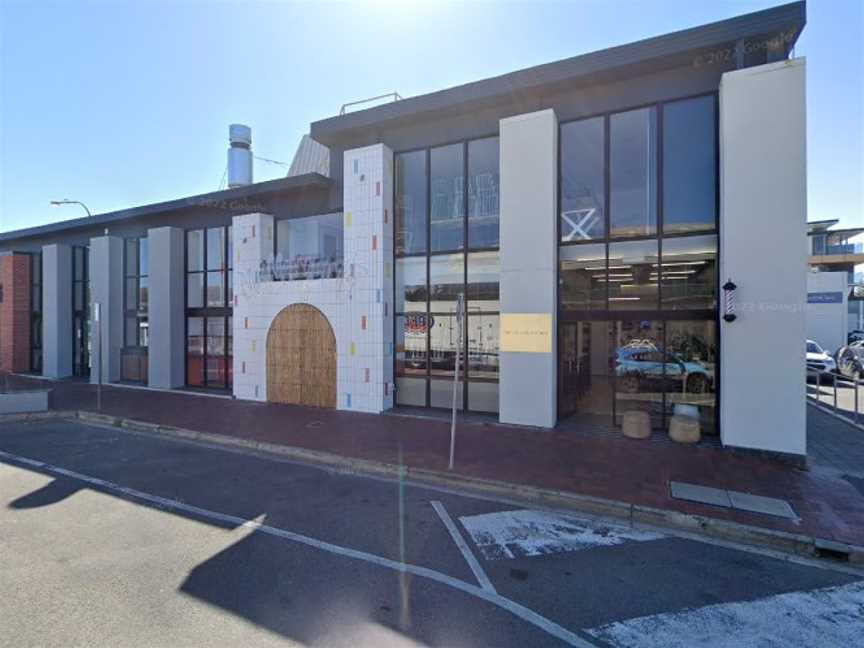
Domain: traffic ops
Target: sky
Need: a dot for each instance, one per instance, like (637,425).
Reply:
(120,104)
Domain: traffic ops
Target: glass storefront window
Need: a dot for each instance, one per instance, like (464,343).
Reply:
(447,197)
(632,277)
(216,248)
(483,336)
(442,345)
(411,284)
(633,172)
(195,250)
(446,282)
(411,203)
(309,248)
(483,192)
(195,351)
(582,277)
(584,376)
(484,272)
(583,184)
(689,165)
(195,290)
(689,273)
(410,344)
(640,374)
(691,372)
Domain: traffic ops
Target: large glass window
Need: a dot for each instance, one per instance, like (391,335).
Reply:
(427,285)
(81,311)
(632,276)
(483,192)
(582,278)
(689,273)
(633,172)
(209,302)
(136,298)
(692,372)
(583,183)
(689,165)
(411,203)
(309,248)
(447,192)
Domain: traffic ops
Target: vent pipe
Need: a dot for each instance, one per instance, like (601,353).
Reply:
(239,155)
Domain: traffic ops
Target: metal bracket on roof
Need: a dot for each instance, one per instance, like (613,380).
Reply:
(396,97)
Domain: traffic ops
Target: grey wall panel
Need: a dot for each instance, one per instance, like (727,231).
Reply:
(57,313)
(166,354)
(529,181)
(106,289)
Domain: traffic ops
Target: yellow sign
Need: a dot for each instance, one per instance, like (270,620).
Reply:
(526,332)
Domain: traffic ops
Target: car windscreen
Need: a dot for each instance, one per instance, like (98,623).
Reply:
(812,347)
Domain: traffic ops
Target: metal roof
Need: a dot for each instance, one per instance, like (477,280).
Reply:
(625,61)
(215,199)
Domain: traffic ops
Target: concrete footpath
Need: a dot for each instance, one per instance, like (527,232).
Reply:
(586,469)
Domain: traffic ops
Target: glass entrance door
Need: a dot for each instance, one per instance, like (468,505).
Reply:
(585,378)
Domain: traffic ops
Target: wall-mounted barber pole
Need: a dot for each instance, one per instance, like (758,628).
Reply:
(729,301)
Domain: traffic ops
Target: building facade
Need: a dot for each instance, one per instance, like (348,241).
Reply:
(584,213)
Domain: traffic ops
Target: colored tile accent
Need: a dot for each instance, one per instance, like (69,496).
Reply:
(386,388)
(366,375)
(353,348)
(348,398)
(387,269)
(243,367)
(356,166)
(348,219)
(385,215)
(253,231)
(378,296)
(246,322)
(363,323)
(374,241)
(377,188)
(253,346)
(385,309)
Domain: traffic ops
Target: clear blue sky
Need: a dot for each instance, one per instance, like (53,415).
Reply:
(127,103)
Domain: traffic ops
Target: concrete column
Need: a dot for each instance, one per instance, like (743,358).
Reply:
(57,311)
(365,363)
(763,158)
(167,351)
(106,289)
(253,244)
(15,288)
(529,253)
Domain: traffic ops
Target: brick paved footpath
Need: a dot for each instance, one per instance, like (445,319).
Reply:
(598,464)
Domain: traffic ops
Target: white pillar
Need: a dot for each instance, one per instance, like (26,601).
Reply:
(763,159)
(57,311)
(106,289)
(166,354)
(529,253)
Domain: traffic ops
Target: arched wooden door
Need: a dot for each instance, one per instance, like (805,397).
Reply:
(301,358)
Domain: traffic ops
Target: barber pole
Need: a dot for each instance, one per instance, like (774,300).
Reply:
(729,301)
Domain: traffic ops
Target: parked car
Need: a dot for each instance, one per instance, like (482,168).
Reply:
(855,336)
(850,360)
(818,361)
(640,366)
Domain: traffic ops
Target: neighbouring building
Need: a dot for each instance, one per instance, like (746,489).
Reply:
(839,250)
(588,210)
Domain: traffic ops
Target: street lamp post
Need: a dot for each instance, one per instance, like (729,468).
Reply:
(66,201)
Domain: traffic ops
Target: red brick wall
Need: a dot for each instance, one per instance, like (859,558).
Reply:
(15,312)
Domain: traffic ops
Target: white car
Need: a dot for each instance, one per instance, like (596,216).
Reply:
(818,360)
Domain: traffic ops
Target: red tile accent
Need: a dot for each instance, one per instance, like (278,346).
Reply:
(246,322)
(374,241)
(385,215)
(15,312)
(363,323)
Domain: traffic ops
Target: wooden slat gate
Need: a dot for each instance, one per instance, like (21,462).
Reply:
(301,358)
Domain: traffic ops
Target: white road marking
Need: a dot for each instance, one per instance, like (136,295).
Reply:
(510,534)
(520,611)
(484,581)
(824,617)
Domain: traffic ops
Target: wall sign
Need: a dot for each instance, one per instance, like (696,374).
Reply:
(825,297)
(526,332)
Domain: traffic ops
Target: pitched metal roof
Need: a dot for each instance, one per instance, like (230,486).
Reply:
(616,63)
(219,199)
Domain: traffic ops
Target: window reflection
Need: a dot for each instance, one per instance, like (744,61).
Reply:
(484,271)
(483,183)
(583,277)
(639,361)
(309,248)
(483,339)
(411,344)
(583,195)
(443,340)
(446,281)
(689,165)
(633,172)
(411,284)
(447,193)
(632,276)
(691,372)
(411,200)
(689,274)
(584,376)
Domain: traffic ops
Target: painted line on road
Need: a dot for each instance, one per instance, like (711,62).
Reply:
(481,576)
(526,614)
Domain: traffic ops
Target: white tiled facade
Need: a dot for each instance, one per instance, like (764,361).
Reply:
(357,306)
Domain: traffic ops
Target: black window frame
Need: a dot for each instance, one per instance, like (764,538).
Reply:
(139,314)
(36,313)
(81,367)
(465,251)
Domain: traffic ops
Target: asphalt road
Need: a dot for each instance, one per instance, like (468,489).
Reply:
(113,538)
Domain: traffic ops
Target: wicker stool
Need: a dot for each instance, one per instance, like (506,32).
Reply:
(684,429)
(636,424)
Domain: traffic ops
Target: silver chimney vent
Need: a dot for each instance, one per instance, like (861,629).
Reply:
(239,155)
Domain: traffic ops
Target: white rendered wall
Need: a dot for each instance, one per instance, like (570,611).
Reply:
(827,319)
(357,306)
(56,311)
(106,288)
(167,307)
(763,158)
(529,253)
